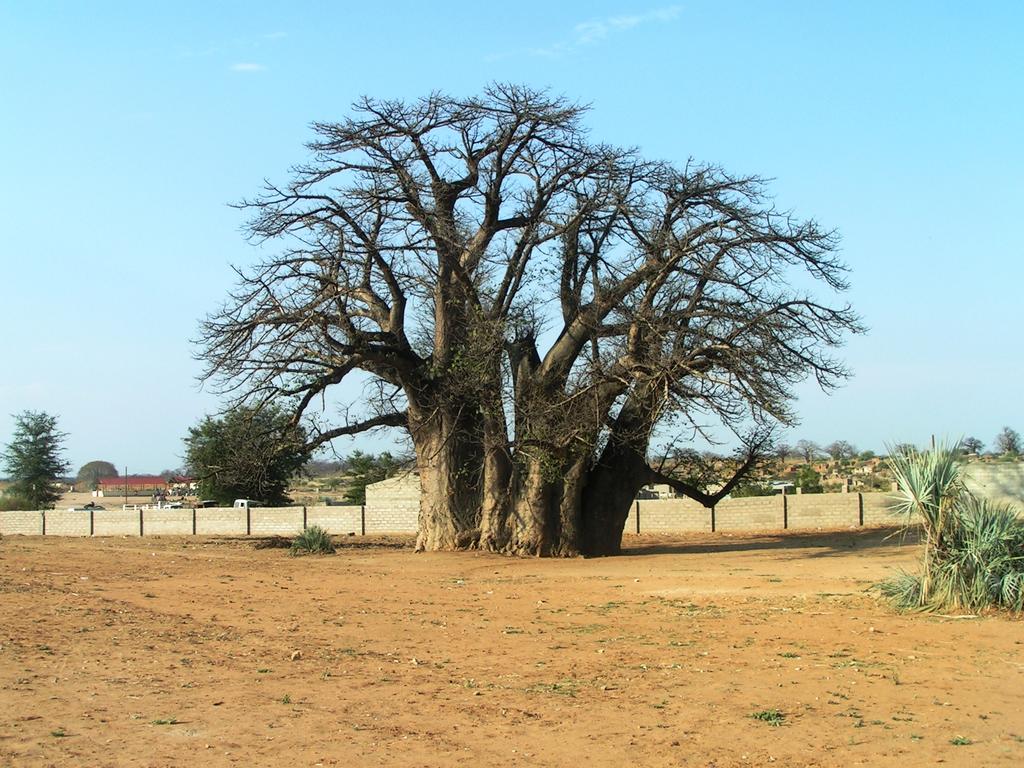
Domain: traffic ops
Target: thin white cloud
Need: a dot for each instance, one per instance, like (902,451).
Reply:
(595,31)
(236,48)
(247,67)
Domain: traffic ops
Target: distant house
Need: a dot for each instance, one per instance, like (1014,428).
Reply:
(657,491)
(137,485)
(182,484)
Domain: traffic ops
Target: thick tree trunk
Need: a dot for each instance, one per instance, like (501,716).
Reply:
(449,457)
(530,521)
(611,488)
(613,483)
(496,501)
(568,540)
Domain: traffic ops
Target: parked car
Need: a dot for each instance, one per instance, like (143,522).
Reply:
(90,507)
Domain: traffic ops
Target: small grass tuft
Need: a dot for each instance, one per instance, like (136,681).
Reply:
(313,541)
(773,717)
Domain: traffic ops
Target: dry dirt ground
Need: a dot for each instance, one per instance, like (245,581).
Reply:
(168,652)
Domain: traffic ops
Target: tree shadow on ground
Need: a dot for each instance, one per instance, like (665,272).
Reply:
(824,543)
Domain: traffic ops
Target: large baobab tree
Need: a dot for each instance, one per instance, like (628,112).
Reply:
(531,306)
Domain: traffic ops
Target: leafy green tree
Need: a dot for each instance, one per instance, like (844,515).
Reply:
(34,460)
(808,480)
(248,453)
(364,469)
(89,475)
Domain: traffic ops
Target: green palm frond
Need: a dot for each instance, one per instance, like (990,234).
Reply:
(973,548)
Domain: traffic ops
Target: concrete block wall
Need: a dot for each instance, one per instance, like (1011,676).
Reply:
(751,513)
(876,509)
(23,523)
(275,521)
(167,522)
(393,505)
(340,521)
(63,522)
(1002,482)
(113,522)
(223,521)
(669,515)
(394,518)
(820,510)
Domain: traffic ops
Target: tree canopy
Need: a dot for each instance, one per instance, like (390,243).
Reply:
(89,475)
(34,459)
(248,453)
(532,306)
(841,450)
(971,445)
(808,450)
(1008,441)
(366,468)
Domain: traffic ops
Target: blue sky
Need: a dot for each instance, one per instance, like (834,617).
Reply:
(127,130)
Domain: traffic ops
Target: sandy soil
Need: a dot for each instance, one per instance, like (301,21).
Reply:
(166,652)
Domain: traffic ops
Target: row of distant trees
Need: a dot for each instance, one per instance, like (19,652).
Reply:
(1007,442)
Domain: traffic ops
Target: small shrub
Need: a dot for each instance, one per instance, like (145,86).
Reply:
(313,541)
(973,548)
(745,490)
(773,717)
(10,502)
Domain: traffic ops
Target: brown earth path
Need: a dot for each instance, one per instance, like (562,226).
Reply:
(167,652)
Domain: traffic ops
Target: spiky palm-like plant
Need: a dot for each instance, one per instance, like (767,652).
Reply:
(313,541)
(973,548)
